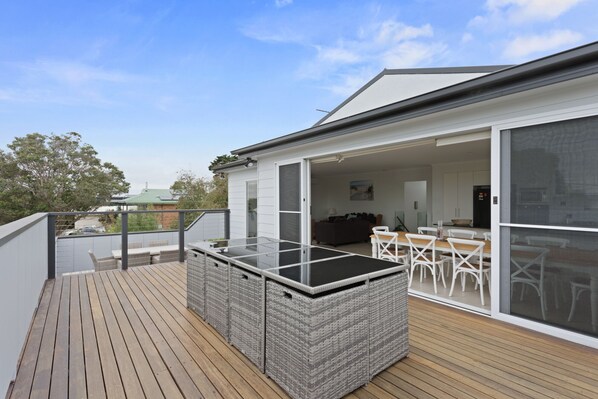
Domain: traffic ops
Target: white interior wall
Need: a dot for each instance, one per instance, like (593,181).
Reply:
(333,192)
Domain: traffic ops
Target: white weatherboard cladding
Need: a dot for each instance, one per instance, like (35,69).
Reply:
(237,200)
(393,88)
(564,100)
(24,270)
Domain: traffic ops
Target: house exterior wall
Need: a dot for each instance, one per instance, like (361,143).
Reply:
(237,200)
(564,100)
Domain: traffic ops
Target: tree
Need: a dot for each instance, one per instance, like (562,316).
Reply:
(56,173)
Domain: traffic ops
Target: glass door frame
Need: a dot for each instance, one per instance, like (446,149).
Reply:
(305,193)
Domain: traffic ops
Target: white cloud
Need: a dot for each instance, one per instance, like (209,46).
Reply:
(282,3)
(74,73)
(524,45)
(518,12)
(466,38)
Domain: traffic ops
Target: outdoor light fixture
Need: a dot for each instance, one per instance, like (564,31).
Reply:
(249,163)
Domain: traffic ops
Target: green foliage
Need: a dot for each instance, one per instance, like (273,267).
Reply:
(221,160)
(200,193)
(136,222)
(55,173)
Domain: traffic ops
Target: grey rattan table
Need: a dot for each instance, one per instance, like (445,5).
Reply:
(319,322)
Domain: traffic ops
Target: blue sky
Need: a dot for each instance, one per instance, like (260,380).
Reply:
(162,86)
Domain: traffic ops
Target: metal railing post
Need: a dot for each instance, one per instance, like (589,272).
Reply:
(51,246)
(124,240)
(181,236)
(227,223)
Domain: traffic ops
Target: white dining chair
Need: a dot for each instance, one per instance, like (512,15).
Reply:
(422,249)
(541,241)
(468,260)
(488,236)
(380,228)
(578,287)
(528,270)
(461,233)
(387,245)
(431,231)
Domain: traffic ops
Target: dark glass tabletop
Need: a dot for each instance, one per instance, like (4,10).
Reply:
(333,270)
(287,258)
(252,250)
(235,242)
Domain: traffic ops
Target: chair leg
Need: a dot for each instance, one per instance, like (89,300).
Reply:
(434,278)
(453,283)
(573,302)
(481,280)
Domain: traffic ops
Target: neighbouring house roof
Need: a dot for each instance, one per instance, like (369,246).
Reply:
(152,196)
(571,64)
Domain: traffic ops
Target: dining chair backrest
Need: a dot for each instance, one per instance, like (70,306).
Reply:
(422,248)
(488,236)
(380,228)
(93,258)
(158,243)
(542,240)
(387,245)
(171,255)
(461,233)
(431,231)
(467,253)
(524,259)
(139,259)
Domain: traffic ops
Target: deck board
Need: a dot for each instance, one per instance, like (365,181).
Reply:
(121,334)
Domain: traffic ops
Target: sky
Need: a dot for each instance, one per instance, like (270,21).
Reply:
(157,87)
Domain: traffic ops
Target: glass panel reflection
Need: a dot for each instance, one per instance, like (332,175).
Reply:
(550,277)
(553,177)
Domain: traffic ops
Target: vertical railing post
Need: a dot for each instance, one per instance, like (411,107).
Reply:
(51,246)
(124,240)
(227,223)
(181,236)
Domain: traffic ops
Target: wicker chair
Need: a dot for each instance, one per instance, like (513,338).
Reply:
(101,264)
(166,256)
(158,243)
(139,259)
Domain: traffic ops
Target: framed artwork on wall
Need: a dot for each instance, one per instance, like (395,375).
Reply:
(361,190)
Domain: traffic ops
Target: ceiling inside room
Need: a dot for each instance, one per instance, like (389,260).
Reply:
(424,153)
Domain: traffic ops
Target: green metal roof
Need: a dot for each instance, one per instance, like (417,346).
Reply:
(152,196)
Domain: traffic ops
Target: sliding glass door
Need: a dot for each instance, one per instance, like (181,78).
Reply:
(549,224)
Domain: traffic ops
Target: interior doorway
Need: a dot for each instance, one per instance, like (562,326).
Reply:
(415,195)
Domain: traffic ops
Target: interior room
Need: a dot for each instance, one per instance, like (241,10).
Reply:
(405,186)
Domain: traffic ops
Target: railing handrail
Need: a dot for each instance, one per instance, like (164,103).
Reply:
(220,210)
(10,230)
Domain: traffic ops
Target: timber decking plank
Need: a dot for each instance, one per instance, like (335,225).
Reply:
(176,369)
(202,382)
(147,379)
(43,369)
(112,379)
(26,371)
(93,368)
(219,372)
(77,387)
(255,378)
(158,367)
(141,315)
(509,361)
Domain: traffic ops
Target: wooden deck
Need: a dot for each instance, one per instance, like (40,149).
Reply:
(128,334)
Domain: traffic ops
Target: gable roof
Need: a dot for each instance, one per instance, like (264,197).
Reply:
(567,65)
(445,76)
(152,196)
